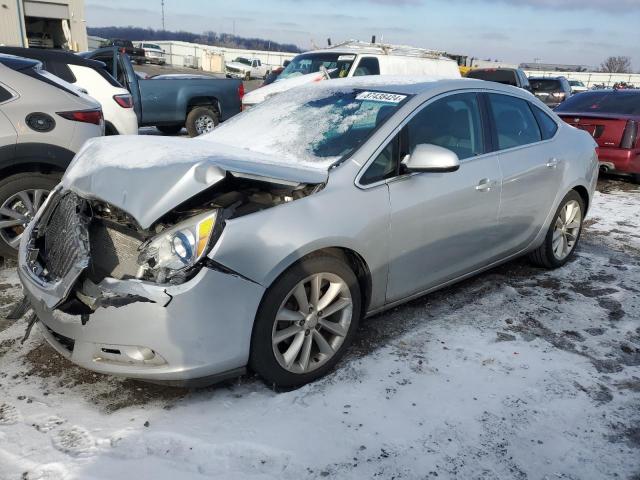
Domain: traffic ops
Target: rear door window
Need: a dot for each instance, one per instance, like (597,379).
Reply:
(367,66)
(514,122)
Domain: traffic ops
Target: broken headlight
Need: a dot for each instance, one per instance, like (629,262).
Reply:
(177,248)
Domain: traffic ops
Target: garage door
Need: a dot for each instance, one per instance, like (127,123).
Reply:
(45,10)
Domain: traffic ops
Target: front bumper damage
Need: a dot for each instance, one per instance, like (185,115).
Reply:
(194,333)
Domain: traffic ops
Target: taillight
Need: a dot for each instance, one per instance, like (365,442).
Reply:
(630,135)
(86,116)
(241,91)
(125,100)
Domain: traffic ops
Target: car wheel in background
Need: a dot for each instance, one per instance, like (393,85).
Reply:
(563,235)
(170,129)
(306,321)
(21,196)
(201,120)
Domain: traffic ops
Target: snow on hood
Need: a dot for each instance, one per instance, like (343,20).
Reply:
(147,176)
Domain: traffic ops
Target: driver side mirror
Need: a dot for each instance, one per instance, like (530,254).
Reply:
(431,158)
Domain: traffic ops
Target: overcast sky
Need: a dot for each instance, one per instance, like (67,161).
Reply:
(554,31)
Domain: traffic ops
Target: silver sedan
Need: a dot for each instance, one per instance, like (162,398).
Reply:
(262,244)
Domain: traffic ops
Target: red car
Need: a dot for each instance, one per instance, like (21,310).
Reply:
(612,117)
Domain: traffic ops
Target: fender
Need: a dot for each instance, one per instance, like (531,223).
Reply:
(15,155)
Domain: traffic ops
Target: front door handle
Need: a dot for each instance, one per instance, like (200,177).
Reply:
(552,163)
(484,185)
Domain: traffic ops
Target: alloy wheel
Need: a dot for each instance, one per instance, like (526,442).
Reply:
(17,211)
(204,124)
(566,229)
(312,323)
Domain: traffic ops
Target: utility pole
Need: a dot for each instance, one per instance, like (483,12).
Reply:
(162,3)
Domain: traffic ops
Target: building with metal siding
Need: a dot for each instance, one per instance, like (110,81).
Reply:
(43,24)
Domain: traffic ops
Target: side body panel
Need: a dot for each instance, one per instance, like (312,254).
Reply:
(166,101)
(442,226)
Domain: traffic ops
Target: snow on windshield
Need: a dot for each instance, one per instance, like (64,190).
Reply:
(312,125)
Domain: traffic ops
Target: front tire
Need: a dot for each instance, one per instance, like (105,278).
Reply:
(201,120)
(563,235)
(306,321)
(21,196)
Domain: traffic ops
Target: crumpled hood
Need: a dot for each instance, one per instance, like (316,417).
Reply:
(147,176)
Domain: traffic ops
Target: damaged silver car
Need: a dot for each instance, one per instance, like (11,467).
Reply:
(262,244)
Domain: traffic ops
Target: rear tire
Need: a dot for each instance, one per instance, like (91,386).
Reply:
(170,129)
(563,235)
(21,195)
(324,324)
(202,120)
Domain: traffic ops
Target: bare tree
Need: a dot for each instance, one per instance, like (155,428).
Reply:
(616,65)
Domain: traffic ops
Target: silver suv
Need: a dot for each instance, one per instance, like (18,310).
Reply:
(43,123)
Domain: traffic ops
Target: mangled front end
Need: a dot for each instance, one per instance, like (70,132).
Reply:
(125,295)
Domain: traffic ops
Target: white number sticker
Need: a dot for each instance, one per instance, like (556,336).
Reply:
(381,97)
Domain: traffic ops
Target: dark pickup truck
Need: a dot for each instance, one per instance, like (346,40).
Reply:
(169,103)
(126,46)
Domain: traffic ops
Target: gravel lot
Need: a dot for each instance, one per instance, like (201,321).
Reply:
(518,373)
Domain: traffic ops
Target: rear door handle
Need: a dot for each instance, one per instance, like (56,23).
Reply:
(552,163)
(485,185)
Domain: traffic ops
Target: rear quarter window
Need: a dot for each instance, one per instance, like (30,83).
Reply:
(4,94)
(548,127)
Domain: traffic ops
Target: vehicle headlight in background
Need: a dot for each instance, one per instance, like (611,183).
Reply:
(178,248)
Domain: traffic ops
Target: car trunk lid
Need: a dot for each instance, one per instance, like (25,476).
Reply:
(607,130)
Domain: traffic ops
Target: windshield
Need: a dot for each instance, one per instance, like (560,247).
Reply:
(602,102)
(576,83)
(310,126)
(545,85)
(506,77)
(151,45)
(337,64)
(243,61)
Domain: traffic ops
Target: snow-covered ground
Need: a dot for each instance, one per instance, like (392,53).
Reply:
(519,373)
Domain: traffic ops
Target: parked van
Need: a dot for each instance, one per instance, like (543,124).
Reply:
(353,59)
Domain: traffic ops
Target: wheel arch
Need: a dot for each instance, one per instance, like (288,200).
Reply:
(35,157)
(204,101)
(584,194)
(351,257)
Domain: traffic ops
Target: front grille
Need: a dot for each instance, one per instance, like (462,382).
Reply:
(65,236)
(114,251)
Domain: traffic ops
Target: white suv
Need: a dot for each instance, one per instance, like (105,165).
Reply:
(44,121)
(92,77)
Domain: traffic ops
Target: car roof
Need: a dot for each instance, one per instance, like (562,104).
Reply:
(17,63)
(60,56)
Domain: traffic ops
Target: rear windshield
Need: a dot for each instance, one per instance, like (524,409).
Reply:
(507,77)
(603,102)
(545,85)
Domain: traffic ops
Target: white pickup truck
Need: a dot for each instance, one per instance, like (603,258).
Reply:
(247,68)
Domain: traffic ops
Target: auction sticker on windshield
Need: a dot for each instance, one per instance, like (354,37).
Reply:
(381,97)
